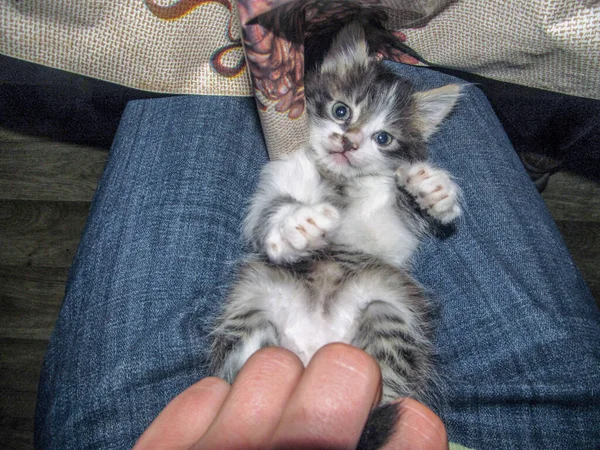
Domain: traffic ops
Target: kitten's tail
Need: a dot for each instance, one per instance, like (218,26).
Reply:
(380,427)
(399,417)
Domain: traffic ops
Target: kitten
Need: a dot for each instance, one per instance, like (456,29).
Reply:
(334,226)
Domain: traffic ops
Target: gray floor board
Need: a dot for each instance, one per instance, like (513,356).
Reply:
(574,203)
(16,419)
(583,241)
(573,198)
(38,169)
(40,233)
(30,298)
(20,366)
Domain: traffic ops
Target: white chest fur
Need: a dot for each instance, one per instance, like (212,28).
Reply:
(371,222)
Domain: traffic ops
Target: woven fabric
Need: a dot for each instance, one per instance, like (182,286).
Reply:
(187,46)
(547,44)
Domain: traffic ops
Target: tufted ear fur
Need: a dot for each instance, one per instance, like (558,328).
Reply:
(348,50)
(433,106)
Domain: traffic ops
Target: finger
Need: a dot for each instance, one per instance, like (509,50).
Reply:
(253,408)
(417,427)
(330,406)
(187,417)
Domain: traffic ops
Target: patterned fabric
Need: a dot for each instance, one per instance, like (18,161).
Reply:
(195,46)
(185,46)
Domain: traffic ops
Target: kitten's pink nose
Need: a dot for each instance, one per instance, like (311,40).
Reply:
(351,140)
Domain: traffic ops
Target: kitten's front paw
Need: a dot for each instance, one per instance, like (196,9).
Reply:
(432,188)
(301,232)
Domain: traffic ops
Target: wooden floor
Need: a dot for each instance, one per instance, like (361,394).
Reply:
(45,193)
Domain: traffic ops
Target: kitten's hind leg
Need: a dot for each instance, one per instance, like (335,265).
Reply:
(239,334)
(252,316)
(395,337)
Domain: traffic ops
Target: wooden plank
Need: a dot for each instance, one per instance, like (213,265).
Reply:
(20,367)
(583,241)
(16,434)
(30,299)
(9,136)
(574,198)
(38,233)
(16,419)
(21,364)
(34,168)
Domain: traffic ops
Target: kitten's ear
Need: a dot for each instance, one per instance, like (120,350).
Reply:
(433,106)
(349,49)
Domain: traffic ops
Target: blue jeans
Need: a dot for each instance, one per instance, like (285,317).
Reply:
(518,332)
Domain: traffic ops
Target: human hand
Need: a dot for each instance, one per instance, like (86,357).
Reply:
(275,402)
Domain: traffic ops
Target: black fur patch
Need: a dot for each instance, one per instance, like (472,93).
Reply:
(379,428)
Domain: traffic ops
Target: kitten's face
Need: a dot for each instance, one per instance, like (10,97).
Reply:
(365,120)
(361,122)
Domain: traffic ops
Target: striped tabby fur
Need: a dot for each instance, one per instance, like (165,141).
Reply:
(334,226)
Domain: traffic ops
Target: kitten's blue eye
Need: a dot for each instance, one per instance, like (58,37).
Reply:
(383,138)
(340,111)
